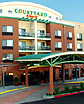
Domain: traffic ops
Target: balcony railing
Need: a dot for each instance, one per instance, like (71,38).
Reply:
(44,48)
(27,48)
(27,34)
(43,35)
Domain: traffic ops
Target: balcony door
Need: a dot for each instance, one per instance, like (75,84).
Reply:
(40,33)
(40,44)
(22,44)
(22,31)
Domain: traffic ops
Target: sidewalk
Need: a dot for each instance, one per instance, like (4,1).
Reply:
(32,93)
(11,99)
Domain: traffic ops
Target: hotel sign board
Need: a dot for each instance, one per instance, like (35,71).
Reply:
(31,14)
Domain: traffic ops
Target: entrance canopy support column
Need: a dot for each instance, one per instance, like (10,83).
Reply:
(51,89)
(26,76)
(63,73)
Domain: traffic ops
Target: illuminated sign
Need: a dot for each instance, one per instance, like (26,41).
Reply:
(30,13)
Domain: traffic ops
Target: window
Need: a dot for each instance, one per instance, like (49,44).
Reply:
(7,44)
(40,44)
(57,34)
(7,30)
(79,36)
(0,10)
(56,18)
(69,35)
(7,57)
(78,26)
(58,45)
(22,45)
(69,46)
(79,47)
(50,17)
(22,32)
(9,12)
(40,33)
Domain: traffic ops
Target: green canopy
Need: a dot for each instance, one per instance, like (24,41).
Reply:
(51,59)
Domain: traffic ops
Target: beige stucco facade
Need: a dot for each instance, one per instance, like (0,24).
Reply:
(78,29)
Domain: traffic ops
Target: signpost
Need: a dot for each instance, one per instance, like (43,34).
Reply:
(4,70)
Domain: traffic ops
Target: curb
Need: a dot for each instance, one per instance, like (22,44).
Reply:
(57,96)
(68,94)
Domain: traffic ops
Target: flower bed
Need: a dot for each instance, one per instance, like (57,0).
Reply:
(67,91)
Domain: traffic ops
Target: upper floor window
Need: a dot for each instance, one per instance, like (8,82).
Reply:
(7,30)
(79,36)
(22,31)
(69,35)
(79,47)
(7,57)
(58,45)
(9,12)
(50,17)
(69,46)
(57,34)
(40,44)
(0,10)
(7,44)
(56,18)
(22,45)
(78,26)
(40,33)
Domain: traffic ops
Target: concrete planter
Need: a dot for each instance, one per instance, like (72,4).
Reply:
(48,97)
(61,95)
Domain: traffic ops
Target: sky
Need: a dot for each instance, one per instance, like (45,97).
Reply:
(72,10)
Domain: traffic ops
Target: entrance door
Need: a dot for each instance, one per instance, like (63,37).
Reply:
(8,79)
(66,74)
(44,76)
(33,78)
(75,73)
(60,74)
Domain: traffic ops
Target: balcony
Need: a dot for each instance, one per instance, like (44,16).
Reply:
(44,48)
(26,35)
(27,49)
(44,36)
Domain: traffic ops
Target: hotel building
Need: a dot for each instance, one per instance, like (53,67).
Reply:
(28,28)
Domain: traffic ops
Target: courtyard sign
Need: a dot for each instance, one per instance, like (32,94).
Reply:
(30,13)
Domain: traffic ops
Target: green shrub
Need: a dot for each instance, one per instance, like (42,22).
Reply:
(81,86)
(67,89)
(78,89)
(16,80)
(74,88)
(48,94)
(56,91)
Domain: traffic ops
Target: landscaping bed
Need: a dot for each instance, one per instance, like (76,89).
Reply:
(67,91)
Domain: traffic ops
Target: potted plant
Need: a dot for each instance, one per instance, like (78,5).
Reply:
(16,81)
(58,80)
(22,83)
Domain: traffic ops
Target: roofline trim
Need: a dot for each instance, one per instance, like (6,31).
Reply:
(30,3)
(57,22)
(62,54)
